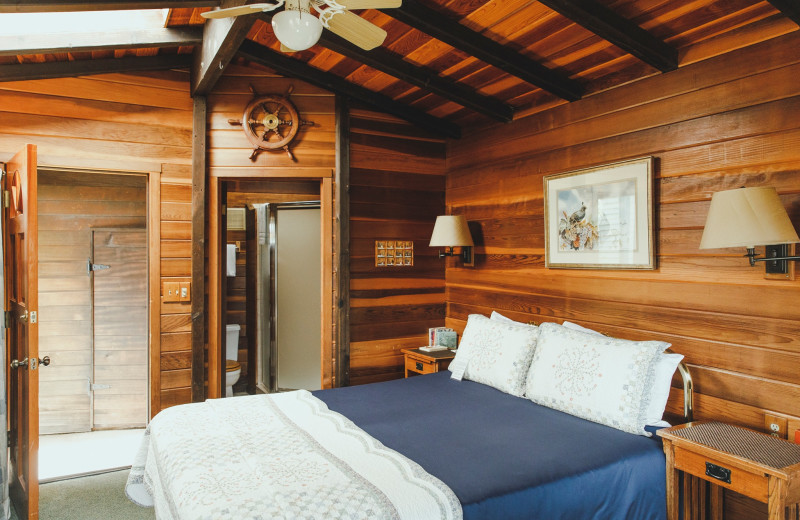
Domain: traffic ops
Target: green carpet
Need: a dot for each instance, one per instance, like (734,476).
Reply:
(97,497)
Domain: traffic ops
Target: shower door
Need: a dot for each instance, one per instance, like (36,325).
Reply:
(295,267)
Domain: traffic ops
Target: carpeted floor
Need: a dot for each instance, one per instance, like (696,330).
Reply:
(97,497)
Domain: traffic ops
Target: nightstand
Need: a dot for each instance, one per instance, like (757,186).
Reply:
(419,362)
(751,463)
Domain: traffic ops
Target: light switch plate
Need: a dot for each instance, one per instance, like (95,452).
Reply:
(170,292)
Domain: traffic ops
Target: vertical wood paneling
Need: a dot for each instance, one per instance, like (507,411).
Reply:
(730,121)
(139,122)
(397,181)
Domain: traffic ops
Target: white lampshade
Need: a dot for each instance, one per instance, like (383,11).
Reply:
(747,217)
(296,29)
(450,231)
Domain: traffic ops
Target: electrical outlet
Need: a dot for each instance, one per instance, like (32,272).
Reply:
(775,425)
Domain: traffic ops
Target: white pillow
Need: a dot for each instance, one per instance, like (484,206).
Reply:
(662,382)
(575,326)
(601,379)
(499,317)
(497,354)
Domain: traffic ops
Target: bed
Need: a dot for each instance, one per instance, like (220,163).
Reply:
(425,447)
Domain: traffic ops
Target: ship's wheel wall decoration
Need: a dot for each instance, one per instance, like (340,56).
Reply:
(270,123)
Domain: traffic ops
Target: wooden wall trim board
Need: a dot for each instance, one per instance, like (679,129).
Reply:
(329,350)
(215,289)
(154,287)
(342,244)
(198,254)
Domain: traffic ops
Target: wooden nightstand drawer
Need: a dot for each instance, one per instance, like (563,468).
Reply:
(421,366)
(419,362)
(742,481)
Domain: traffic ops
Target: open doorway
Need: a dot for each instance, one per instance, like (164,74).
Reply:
(93,308)
(272,307)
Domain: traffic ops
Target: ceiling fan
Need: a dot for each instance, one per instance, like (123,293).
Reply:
(297,28)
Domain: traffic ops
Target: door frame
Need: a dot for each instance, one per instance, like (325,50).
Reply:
(153,229)
(216,276)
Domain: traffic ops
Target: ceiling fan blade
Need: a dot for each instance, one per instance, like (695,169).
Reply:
(370,4)
(356,30)
(241,10)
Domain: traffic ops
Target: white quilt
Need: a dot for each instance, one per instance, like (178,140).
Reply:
(283,456)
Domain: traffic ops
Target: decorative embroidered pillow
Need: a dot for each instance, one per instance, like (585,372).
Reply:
(601,379)
(662,381)
(497,354)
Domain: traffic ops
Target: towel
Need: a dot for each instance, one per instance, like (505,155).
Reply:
(231,260)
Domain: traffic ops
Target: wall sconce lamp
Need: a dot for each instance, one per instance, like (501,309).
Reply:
(451,231)
(749,217)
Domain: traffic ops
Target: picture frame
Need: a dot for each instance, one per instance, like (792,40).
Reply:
(600,217)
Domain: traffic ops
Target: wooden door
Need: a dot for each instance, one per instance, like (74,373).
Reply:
(21,301)
(119,328)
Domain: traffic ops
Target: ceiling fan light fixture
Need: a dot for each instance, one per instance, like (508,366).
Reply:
(297,29)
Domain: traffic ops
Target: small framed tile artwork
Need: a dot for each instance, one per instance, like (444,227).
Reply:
(394,253)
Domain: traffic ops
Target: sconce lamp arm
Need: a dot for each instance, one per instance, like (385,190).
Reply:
(751,254)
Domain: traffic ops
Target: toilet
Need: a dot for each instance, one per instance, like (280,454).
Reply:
(232,367)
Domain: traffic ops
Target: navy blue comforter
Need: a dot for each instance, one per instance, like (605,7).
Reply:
(506,457)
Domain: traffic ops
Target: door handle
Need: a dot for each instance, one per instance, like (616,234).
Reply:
(45,361)
(17,364)
(24,316)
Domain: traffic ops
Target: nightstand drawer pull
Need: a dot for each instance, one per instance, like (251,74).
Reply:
(718,472)
(419,365)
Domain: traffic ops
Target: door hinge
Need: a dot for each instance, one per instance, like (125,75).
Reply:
(6,199)
(8,438)
(90,267)
(7,319)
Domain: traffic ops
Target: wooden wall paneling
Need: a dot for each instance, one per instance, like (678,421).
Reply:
(176,366)
(327,352)
(396,191)
(717,124)
(122,122)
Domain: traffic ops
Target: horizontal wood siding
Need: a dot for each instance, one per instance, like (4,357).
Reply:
(730,121)
(397,182)
(137,122)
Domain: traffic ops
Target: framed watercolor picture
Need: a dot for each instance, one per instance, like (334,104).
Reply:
(600,218)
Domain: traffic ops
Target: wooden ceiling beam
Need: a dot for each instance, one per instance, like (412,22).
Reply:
(620,31)
(426,79)
(790,8)
(221,39)
(431,22)
(68,69)
(75,42)
(50,6)
(297,69)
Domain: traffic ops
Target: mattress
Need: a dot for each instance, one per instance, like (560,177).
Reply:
(506,457)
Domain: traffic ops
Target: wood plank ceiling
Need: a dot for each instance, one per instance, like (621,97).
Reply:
(448,65)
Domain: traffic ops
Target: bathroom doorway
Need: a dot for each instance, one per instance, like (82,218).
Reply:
(273,288)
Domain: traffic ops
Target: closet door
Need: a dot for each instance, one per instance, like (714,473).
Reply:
(119,303)
(298,282)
